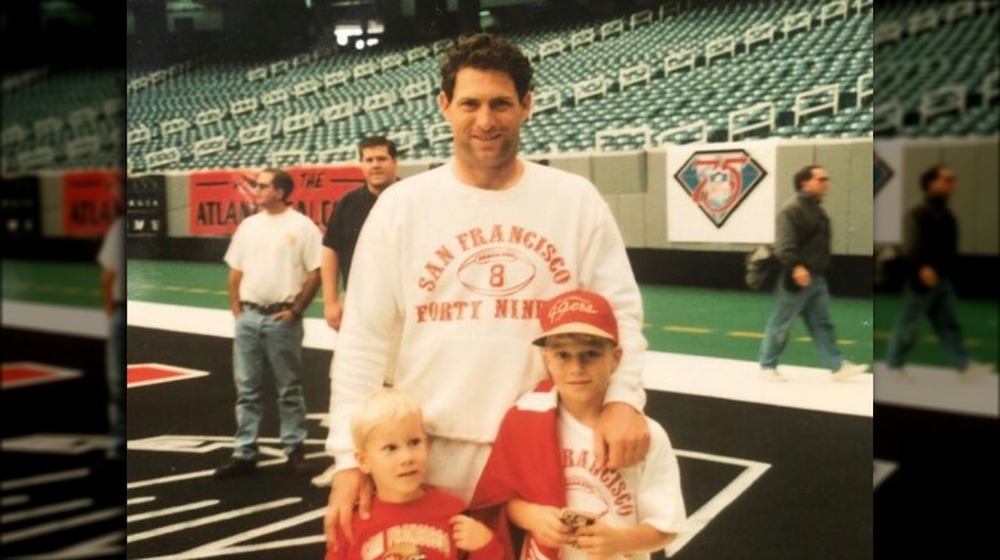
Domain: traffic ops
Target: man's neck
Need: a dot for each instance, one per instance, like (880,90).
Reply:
(937,200)
(375,191)
(490,179)
(276,208)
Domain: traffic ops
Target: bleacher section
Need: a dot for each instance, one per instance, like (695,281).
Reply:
(624,83)
(793,69)
(938,68)
(62,120)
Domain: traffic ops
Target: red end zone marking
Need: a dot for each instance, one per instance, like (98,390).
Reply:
(148,374)
(20,374)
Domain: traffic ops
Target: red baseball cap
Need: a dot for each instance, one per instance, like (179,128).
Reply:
(577,312)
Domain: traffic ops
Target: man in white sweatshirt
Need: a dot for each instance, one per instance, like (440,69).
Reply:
(447,305)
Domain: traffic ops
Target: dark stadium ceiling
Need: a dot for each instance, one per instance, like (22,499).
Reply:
(224,3)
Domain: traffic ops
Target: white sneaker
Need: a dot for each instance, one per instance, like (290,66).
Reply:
(900,375)
(975,371)
(772,375)
(325,479)
(848,370)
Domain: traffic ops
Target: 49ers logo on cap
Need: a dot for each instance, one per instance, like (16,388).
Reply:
(571,304)
(578,312)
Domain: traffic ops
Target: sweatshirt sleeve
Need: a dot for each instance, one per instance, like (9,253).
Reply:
(607,271)
(368,339)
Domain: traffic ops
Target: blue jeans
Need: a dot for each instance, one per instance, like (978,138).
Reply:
(262,345)
(813,304)
(940,305)
(115,374)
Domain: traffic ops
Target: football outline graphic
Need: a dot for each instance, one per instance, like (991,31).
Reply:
(584,496)
(496,272)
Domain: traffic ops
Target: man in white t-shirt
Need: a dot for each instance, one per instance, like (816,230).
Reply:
(274,261)
(111,258)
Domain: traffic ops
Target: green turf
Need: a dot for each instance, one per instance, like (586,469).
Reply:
(719,323)
(735,321)
(54,283)
(978,318)
(204,284)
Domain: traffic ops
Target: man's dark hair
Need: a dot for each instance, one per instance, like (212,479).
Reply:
(803,175)
(374,141)
(928,176)
(281,179)
(486,51)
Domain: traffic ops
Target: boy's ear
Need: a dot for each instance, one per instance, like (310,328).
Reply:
(617,356)
(362,460)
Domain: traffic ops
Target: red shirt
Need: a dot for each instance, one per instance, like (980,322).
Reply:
(398,531)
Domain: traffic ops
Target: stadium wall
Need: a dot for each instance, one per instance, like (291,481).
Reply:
(636,186)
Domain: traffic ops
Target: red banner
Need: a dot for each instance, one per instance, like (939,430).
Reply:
(89,200)
(220,200)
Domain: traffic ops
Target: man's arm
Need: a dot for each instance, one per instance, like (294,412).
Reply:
(786,248)
(308,292)
(366,346)
(333,308)
(919,264)
(108,277)
(111,258)
(621,436)
(235,277)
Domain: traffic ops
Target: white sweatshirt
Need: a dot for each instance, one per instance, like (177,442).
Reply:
(445,287)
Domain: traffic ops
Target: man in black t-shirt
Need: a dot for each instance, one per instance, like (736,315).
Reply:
(378,163)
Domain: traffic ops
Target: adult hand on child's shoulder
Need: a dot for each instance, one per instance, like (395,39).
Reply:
(621,438)
(350,487)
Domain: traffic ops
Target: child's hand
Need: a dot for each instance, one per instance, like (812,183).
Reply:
(545,524)
(600,541)
(468,533)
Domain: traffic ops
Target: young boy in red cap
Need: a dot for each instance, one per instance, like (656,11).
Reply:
(541,469)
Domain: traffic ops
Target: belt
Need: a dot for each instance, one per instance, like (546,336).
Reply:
(266,309)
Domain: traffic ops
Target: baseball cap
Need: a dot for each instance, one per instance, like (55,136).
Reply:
(577,312)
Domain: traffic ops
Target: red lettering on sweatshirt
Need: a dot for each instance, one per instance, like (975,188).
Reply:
(517,308)
(436,268)
(614,489)
(448,311)
(497,235)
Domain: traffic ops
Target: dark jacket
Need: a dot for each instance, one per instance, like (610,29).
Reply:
(803,235)
(930,237)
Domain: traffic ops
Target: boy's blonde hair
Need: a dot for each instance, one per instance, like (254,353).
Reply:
(383,405)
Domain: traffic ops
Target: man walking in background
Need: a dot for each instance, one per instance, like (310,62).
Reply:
(802,244)
(930,249)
